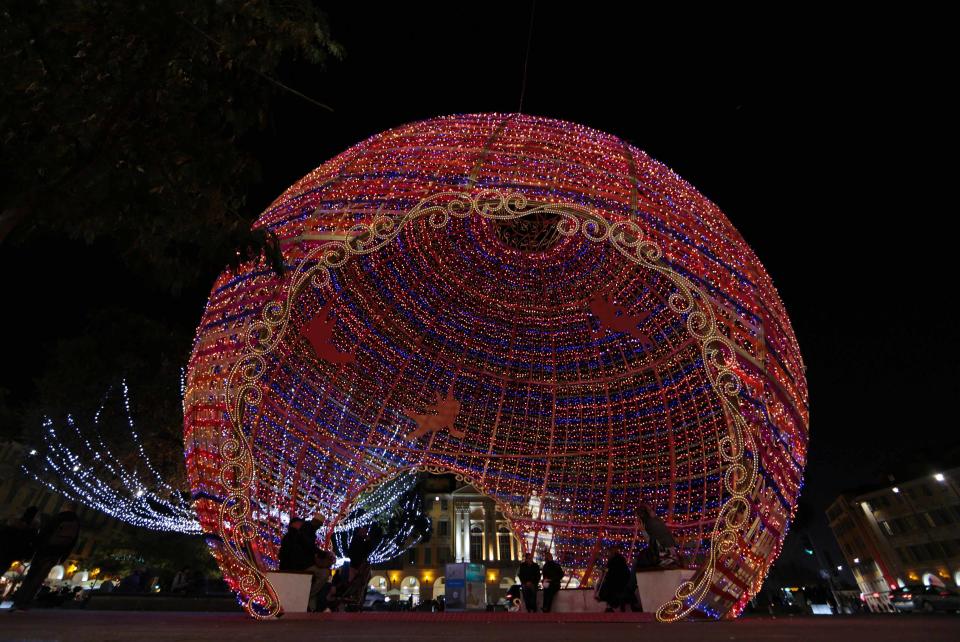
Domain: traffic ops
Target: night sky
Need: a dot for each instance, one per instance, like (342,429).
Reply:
(820,137)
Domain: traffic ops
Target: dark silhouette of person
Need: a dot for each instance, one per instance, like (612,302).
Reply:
(362,544)
(352,586)
(529,574)
(18,539)
(663,546)
(55,541)
(107,586)
(299,552)
(182,580)
(616,581)
(296,553)
(552,576)
(133,583)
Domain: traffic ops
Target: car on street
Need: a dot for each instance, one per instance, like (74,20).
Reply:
(927,599)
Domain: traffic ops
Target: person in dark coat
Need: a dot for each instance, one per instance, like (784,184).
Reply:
(299,552)
(662,544)
(552,577)
(361,545)
(616,581)
(529,574)
(54,543)
(295,552)
(18,539)
(133,583)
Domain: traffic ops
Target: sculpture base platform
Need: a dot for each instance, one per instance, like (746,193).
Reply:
(575,601)
(293,590)
(657,587)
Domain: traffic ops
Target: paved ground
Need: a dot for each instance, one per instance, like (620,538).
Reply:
(105,626)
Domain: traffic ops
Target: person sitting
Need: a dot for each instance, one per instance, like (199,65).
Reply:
(182,580)
(323,559)
(514,598)
(80,596)
(106,586)
(663,547)
(133,583)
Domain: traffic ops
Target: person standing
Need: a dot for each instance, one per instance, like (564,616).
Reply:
(616,581)
(529,574)
(294,555)
(552,577)
(18,538)
(663,545)
(298,552)
(54,543)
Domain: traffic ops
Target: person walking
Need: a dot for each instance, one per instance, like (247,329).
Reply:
(616,581)
(662,544)
(529,574)
(54,543)
(18,539)
(552,577)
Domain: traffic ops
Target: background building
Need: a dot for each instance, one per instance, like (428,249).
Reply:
(466,526)
(904,533)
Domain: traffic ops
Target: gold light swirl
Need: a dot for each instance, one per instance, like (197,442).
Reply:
(264,335)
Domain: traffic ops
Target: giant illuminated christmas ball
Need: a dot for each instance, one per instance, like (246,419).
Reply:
(531,304)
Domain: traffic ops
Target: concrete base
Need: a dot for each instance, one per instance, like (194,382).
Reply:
(293,590)
(577,601)
(658,587)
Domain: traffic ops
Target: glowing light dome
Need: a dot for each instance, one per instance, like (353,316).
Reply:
(533,305)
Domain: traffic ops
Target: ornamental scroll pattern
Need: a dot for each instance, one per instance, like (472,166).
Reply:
(264,335)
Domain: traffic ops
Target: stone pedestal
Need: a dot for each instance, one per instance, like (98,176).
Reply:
(293,590)
(575,601)
(657,587)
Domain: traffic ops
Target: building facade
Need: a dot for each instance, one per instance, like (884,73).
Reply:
(905,533)
(466,526)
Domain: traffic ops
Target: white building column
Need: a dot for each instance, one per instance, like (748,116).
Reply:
(462,517)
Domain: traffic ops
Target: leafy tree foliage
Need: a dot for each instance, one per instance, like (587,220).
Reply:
(126,121)
(130,128)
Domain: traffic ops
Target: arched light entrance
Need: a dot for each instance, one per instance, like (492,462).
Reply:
(410,587)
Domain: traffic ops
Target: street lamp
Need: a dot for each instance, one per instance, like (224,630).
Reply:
(939,477)
(895,490)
